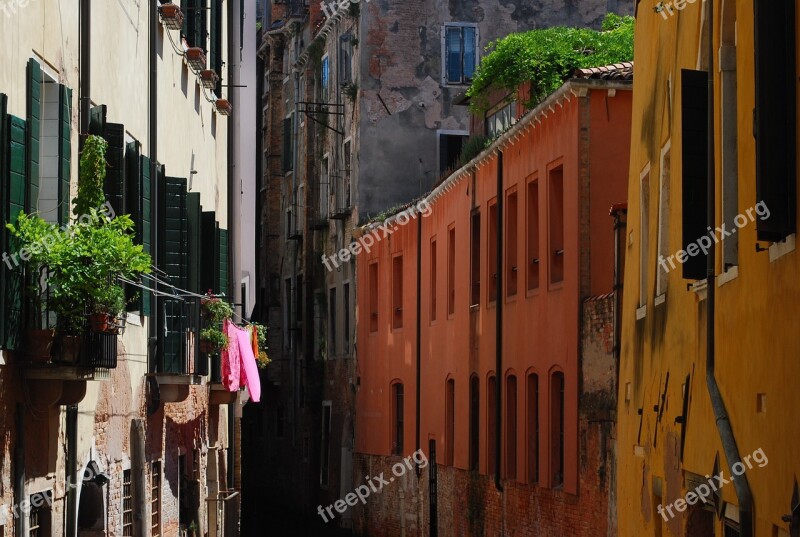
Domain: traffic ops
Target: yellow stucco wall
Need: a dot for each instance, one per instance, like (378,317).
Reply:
(756,312)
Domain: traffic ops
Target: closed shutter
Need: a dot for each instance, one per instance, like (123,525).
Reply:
(64,152)
(141,211)
(4,158)
(223,264)
(34,134)
(775,123)
(114,188)
(194,238)
(173,260)
(15,203)
(97,120)
(694,115)
(215,53)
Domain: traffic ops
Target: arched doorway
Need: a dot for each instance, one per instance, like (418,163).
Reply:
(91,506)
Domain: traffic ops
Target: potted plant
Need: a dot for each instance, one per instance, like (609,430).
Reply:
(262,359)
(224,107)
(196,58)
(108,305)
(214,309)
(209,78)
(212,340)
(171,16)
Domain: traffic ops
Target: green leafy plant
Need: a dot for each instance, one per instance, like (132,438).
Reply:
(216,310)
(92,176)
(109,299)
(547,57)
(215,337)
(472,148)
(351,91)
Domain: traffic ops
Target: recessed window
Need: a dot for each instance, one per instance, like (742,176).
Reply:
(474,422)
(332,322)
(491,240)
(345,58)
(346,318)
(397,418)
(127,504)
(324,465)
(40,514)
(533,427)
(730,134)
(644,233)
(532,243)
(324,80)
(557,429)
(663,223)
(475,258)
(450,426)
(373,297)
(491,425)
(511,244)
(511,427)
(397,292)
(451,271)
(450,147)
(433,279)
(500,121)
(460,51)
(556,206)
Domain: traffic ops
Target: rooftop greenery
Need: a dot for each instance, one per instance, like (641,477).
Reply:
(547,57)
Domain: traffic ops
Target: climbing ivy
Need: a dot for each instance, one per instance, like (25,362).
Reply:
(547,57)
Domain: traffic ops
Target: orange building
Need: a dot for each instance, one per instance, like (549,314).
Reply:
(430,369)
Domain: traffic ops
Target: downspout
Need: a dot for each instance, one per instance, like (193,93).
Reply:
(723,423)
(231,412)
(618,212)
(498,408)
(19,468)
(419,336)
(84,105)
(156,318)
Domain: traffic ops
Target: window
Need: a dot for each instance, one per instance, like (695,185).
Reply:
(451,271)
(298,298)
(556,200)
(397,292)
(325,79)
(433,279)
(332,322)
(492,253)
(533,235)
(500,121)
(694,174)
(155,499)
(287,306)
(373,297)
(511,244)
(663,223)
(460,53)
(288,145)
(345,59)
(40,514)
(557,429)
(511,427)
(450,426)
(347,154)
(397,418)
(533,427)
(450,146)
(475,259)
(644,232)
(127,504)
(491,424)
(324,465)
(346,318)
(474,422)
(730,134)
(324,189)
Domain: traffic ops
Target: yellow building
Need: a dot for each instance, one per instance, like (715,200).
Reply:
(707,440)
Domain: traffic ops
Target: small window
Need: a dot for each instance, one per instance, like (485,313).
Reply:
(324,465)
(557,429)
(500,121)
(298,299)
(511,245)
(397,292)
(155,499)
(347,155)
(532,256)
(127,504)
(332,325)
(40,514)
(663,224)
(433,277)
(491,424)
(373,297)
(450,426)
(511,427)
(474,422)
(324,189)
(475,259)
(346,319)
(533,427)
(397,419)
(556,224)
(325,79)
(492,252)
(288,144)
(451,271)
(461,51)
(450,146)
(345,59)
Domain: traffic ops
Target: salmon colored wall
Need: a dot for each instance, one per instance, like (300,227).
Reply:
(541,327)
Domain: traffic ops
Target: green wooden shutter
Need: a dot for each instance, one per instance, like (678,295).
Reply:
(209,253)
(64,152)
(15,203)
(34,133)
(215,51)
(173,260)
(114,188)
(194,236)
(4,158)
(140,208)
(223,263)
(97,119)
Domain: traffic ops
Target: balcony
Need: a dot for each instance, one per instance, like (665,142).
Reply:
(179,361)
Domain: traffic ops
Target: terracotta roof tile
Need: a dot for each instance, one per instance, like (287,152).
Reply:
(617,71)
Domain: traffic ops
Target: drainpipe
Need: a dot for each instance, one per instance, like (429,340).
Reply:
(723,423)
(156,318)
(19,469)
(419,335)
(498,408)
(231,413)
(618,212)
(71,470)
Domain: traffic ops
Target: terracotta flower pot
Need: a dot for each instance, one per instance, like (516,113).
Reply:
(38,344)
(207,346)
(224,106)
(171,16)
(70,349)
(101,323)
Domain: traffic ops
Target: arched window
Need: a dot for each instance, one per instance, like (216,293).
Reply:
(511,427)
(532,411)
(491,424)
(474,422)
(397,418)
(557,429)
(450,426)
